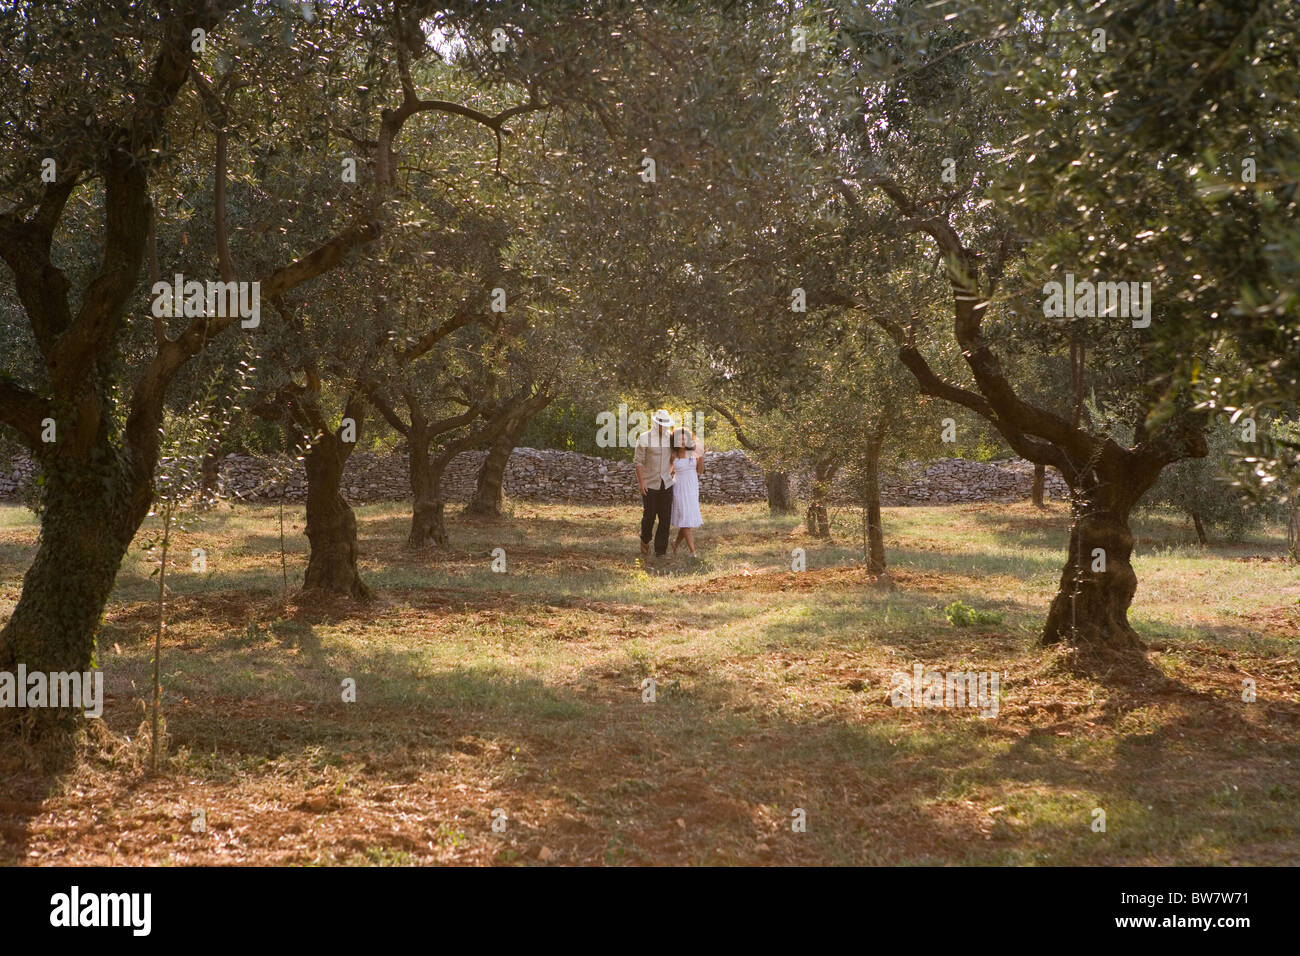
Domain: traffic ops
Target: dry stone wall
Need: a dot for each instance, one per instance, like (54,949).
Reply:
(531,474)
(15,476)
(951,480)
(562,476)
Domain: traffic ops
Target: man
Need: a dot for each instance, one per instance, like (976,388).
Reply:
(653,459)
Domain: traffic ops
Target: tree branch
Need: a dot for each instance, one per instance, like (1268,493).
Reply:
(998,401)
(741,436)
(384,406)
(23,411)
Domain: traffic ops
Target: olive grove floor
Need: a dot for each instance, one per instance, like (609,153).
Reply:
(519,696)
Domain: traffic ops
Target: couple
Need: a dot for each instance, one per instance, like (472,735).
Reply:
(668,466)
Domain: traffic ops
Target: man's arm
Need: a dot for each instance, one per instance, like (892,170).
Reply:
(639,463)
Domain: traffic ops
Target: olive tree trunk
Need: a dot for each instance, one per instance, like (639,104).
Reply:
(489,486)
(428,509)
(331,523)
(1098,582)
(871,490)
(90,513)
(815,518)
(780,501)
(84,536)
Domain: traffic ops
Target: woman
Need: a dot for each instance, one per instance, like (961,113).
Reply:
(687,466)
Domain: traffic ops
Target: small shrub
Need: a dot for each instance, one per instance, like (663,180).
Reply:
(960,615)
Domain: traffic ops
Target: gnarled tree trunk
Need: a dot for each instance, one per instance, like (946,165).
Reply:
(92,507)
(85,531)
(779,499)
(1036,490)
(489,486)
(331,523)
(428,510)
(1098,582)
(94,497)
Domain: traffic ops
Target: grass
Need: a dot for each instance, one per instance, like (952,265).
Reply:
(522,692)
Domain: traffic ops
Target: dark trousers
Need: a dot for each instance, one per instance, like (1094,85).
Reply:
(657,502)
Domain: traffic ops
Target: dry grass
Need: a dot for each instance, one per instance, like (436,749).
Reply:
(522,692)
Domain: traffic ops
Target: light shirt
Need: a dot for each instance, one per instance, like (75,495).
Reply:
(654,456)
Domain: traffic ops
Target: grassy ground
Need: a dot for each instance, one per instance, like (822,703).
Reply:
(522,692)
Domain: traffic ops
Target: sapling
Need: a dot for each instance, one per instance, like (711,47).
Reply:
(178,498)
(280,471)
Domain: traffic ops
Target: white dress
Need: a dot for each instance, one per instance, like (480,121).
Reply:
(686,494)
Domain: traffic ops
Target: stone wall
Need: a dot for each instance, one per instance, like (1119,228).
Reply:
(951,480)
(562,476)
(532,474)
(15,475)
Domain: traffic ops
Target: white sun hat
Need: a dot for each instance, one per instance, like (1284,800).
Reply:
(663,418)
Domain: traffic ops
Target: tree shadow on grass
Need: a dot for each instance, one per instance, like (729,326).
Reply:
(703,775)
(32,772)
(1151,531)
(1022,565)
(1186,771)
